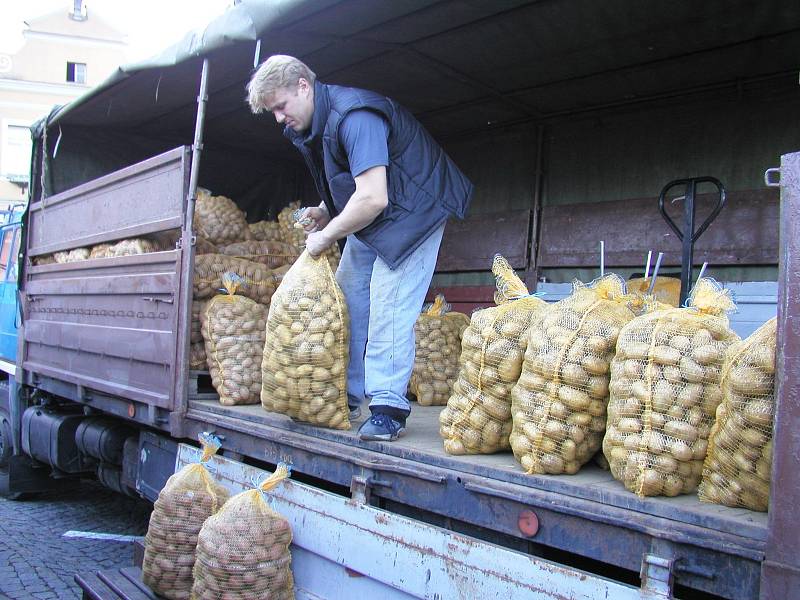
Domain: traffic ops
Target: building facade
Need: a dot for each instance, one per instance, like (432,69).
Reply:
(63,55)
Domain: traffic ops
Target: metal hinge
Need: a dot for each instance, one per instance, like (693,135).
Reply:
(657,576)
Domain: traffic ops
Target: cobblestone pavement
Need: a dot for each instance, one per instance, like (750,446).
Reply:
(36,561)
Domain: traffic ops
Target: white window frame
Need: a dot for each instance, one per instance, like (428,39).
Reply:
(7,123)
(75,69)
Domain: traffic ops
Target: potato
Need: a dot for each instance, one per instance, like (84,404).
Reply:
(219,220)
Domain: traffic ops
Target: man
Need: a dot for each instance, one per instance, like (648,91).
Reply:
(388,188)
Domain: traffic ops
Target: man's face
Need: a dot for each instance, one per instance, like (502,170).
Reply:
(293,107)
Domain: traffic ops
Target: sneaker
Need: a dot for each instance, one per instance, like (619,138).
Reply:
(381,428)
(355,412)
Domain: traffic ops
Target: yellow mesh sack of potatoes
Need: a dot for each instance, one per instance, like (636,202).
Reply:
(218,219)
(438,347)
(739,460)
(665,391)
(304,371)
(559,403)
(189,497)
(197,347)
(233,328)
(243,550)
(266,231)
(271,254)
(256,280)
(477,419)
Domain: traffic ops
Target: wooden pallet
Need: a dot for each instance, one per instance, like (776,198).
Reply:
(114,584)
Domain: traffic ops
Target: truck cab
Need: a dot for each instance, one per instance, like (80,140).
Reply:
(10,234)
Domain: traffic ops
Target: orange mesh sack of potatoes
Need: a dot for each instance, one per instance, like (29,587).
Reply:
(667,290)
(304,371)
(739,460)
(197,347)
(438,347)
(189,497)
(271,254)
(218,219)
(243,550)
(233,328)
(256,280)
(266,231)
(559,403)
(665,391)
(477,419)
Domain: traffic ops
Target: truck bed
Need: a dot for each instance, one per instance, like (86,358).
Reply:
(422,444)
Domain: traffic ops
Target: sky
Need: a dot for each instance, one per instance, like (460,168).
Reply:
(151,25)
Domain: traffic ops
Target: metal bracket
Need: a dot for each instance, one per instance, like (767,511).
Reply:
(657,576)
(361,487)
(768,181)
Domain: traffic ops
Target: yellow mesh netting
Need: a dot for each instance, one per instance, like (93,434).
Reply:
(189,497)
(304,370)
(219,220)
(233,328)
(664,393)
(272,254)
(266,231)
(257,281)
(737,468)
(559,403)
(243,550)
(477,419)
(667,290)
(438,346)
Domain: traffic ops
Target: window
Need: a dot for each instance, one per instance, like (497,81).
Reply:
(11,239)
(17,151)
(76,72)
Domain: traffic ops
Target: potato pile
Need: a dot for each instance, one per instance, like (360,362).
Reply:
(559,404)
(271,254)
(737,468)
(438,347)
(233,328)
(477,419)
(197,347)
(219,220)
(70,256)
(243,550)
(168,240)
(127,247)
(665,391)
(257,281)
(304,370)
(266,231)
(189,497)
(295,236)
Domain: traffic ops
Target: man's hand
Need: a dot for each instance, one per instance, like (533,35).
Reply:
(317,218)
(317,242)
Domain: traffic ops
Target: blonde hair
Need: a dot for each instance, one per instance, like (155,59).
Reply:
(278,71)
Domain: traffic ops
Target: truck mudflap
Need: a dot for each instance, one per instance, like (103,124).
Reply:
(343,548)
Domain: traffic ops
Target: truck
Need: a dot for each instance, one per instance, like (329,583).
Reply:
(576,121)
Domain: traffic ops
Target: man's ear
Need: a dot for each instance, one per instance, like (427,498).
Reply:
(303,86)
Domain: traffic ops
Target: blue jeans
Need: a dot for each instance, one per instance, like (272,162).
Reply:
(384,305)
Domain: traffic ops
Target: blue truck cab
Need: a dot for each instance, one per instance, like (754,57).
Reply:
(10,232)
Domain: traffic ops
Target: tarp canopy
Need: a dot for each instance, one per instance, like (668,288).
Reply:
(463,67)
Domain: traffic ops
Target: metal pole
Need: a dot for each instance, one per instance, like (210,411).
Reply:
(780,571)
(655,273)
(688,242)
(602,258)
(181,400)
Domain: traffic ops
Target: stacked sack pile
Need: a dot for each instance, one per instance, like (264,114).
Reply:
(664,393)
(243,550)
(438,334)
(304,369)
(233,328)
(477,419)
(189,497)
(559,404)
(739,461)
